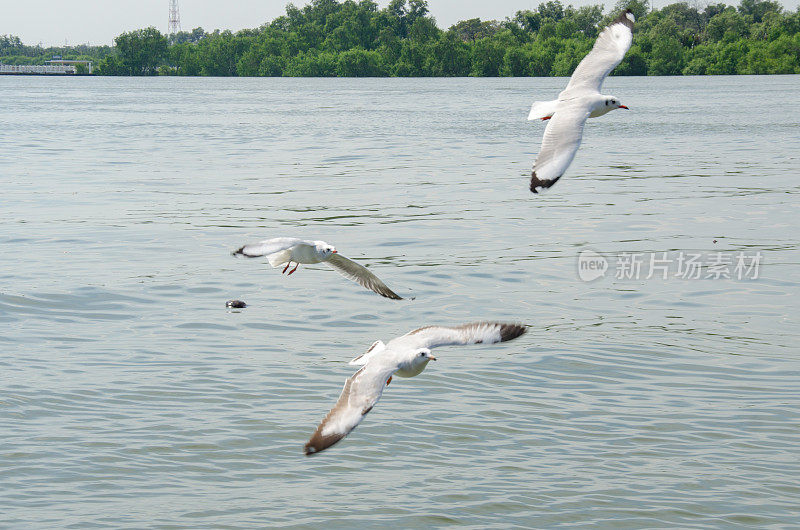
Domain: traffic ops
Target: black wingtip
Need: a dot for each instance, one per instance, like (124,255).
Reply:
(536,182)
(240,252)
(623,18)
(511,331)
(388,293)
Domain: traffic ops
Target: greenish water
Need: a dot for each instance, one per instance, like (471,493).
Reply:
(131,397)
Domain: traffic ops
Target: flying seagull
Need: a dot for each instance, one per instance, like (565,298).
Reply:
(286,250)
(580,100)
(404,356)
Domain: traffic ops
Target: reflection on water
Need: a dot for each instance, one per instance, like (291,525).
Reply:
(131,396)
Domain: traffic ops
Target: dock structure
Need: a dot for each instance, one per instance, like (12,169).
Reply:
(55,67)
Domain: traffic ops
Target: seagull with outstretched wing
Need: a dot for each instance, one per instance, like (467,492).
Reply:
(404,356)
(578,102)
(285,250)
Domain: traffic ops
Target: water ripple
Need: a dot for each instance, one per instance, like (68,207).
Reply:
(132,397)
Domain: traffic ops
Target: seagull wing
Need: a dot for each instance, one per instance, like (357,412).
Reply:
(610,47)
(560,142)
(352,270)
(360,393)
(377,347)
(269,246)
(474,333)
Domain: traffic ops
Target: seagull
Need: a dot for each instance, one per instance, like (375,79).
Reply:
(286,250)
(580,100)
(404,356)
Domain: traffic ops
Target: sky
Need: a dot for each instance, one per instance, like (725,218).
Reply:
(54,22)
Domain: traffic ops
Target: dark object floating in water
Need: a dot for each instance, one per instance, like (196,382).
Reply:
(715,241)
(236,304)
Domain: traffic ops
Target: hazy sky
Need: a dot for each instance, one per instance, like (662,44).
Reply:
(98,22)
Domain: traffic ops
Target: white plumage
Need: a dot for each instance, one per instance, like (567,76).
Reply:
(404,356)
(286,250)
(578,102)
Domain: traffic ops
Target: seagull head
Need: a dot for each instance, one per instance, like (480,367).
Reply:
(324,249)
(614,103)
(417,359)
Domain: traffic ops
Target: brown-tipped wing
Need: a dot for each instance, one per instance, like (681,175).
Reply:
(474,333)
(609,49)
(352,270)
(359,395)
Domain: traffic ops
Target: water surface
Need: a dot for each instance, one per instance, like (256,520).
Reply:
(131,397)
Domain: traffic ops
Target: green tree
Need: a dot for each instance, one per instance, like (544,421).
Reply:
(568,58)
(111,65)
(634,63)
(758,8)
(357,37)
(359,63)
(552,9)
(423,29)
(449,56)
(586,18)
(529,21)
(487,58)
(140,52)
(474,29)
(727,25)
(322,64)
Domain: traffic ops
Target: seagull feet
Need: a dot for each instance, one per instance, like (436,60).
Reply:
(295,268)
(389,380)
(286,267)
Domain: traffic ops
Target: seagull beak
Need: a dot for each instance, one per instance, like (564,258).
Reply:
(335,252)
(624,107)
(432,358)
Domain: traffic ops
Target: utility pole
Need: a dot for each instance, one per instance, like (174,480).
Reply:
(174,25)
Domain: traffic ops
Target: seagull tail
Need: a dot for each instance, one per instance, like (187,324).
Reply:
(542,109)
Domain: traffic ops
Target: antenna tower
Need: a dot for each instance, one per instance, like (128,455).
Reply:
(174,25)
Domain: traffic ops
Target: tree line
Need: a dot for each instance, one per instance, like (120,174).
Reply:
(13,51)
(327,38)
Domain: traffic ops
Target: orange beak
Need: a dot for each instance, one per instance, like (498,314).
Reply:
(624,107)
(335,252)
(432,358)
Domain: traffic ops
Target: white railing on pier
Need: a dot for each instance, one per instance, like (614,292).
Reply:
(36,69)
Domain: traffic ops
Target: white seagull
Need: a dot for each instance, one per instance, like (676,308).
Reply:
(404,356)
(286,250)
(580,100)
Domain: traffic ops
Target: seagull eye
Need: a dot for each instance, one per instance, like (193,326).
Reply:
(422,354)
